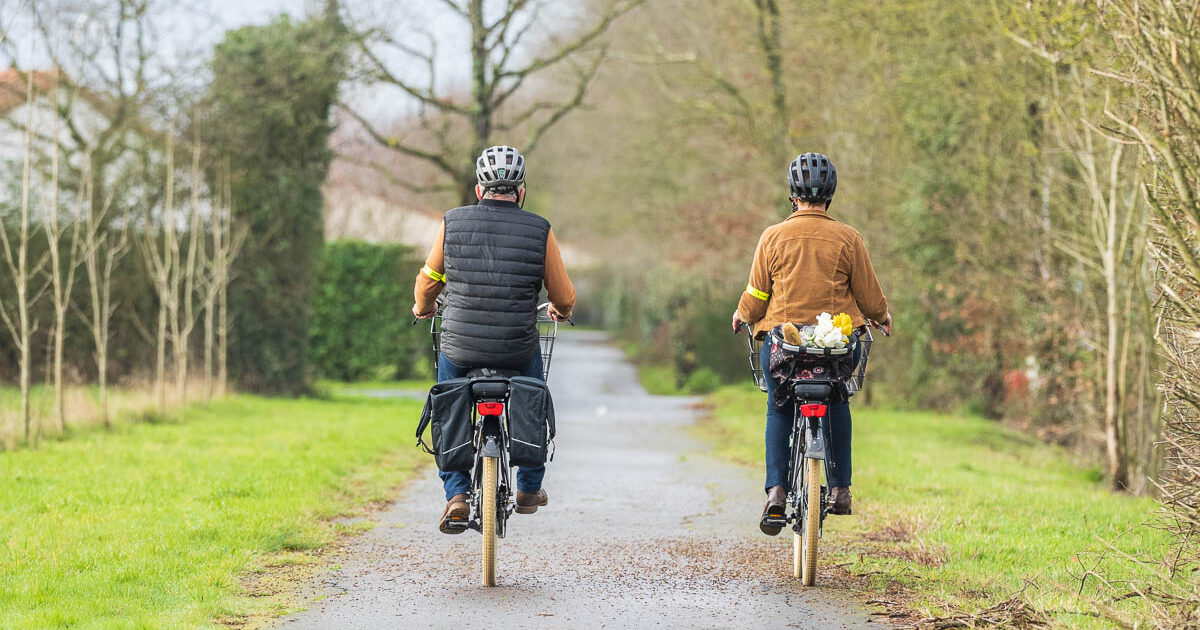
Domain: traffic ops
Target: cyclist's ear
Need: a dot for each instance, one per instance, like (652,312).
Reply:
(478,191)
(521,195)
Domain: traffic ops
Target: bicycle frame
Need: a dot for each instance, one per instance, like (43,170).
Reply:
(491,440)
(808,442)
(811,399)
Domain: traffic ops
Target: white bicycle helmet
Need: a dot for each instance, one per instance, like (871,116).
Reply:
(500,167)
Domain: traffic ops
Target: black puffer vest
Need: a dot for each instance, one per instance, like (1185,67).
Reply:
(495,261)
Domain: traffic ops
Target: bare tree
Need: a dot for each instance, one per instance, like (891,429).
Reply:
(183,282)
(161,257)
(22,271)
(770,42)
(226,242)
(103,53)
(1161,44)
(62,273)
(1110,237)
(100,253)
(496,78)
(1106,231)
(713,88)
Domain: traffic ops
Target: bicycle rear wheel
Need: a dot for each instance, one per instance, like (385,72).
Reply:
(804,545)
(490,490)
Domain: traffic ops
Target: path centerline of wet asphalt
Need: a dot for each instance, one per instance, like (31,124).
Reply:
(642,531)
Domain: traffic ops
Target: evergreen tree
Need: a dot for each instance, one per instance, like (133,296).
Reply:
(270,99)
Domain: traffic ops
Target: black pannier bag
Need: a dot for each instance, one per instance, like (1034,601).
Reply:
(448,415)
(530,421)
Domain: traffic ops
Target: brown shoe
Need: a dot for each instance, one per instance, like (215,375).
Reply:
(774,515)
(528,503)
(840,496)
(454,519)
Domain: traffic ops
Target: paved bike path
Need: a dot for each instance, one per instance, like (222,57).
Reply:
(642,531)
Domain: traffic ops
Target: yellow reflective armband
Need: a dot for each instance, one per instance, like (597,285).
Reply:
(440,277)
(762,295)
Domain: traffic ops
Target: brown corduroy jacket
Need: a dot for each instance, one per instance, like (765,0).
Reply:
(806,265)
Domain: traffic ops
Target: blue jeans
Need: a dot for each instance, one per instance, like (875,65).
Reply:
(779,433)
(529,479)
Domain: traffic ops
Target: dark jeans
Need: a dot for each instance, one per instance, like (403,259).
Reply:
(457,482)
(779,433)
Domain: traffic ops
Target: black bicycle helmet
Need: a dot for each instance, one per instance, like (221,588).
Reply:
(812,178)
(500,167)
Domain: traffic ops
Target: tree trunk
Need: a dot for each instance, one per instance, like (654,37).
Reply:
(482,107)
(223,339)
(209,331)
(1113,437)
(160,367)
(770,40)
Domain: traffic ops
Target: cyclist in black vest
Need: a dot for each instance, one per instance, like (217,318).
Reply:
(492,259)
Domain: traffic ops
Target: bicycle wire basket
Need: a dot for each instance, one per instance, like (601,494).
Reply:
(547,331)
(854,384)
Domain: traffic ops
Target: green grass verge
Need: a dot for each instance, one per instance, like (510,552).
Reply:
(155,525)
(338,388)
(658,380)
(963,512)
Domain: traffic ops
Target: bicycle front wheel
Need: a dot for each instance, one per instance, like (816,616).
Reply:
(490,490)
(804,545)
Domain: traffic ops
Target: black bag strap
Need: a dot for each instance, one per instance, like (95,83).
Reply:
(427,413)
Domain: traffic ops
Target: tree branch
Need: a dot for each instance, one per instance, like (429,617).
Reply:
(581,88)
(397,144)
(426,97)
(397,181)
(541,63)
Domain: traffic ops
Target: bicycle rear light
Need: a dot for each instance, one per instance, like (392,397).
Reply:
(813,410)
(489,408)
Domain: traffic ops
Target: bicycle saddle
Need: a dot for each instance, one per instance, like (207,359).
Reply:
(813,391)
(496,388)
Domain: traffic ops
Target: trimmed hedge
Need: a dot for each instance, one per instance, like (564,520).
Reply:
(361,312)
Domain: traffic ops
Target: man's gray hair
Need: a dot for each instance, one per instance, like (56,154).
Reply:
(500,191)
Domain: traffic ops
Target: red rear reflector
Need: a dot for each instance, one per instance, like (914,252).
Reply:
(489,408)
(812,411)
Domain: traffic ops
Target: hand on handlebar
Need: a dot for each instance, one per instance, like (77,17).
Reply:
(737,322)
(417,315)
(885,326)
(554,315)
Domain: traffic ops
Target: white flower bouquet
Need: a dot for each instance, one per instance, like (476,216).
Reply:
(830,332)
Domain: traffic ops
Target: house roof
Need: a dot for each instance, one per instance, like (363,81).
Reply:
(14,85)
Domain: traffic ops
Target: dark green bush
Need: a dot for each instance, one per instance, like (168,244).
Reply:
(360,312)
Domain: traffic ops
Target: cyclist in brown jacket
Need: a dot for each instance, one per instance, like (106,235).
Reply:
(807,265)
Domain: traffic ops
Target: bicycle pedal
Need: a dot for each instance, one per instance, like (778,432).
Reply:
(457,523)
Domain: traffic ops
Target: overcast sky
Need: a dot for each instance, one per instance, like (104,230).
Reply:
(188,29)
(237,12)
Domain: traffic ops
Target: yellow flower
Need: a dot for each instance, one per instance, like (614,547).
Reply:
(843,321)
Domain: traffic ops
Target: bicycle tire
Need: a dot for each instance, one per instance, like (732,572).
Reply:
(806,560)
(491,491)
